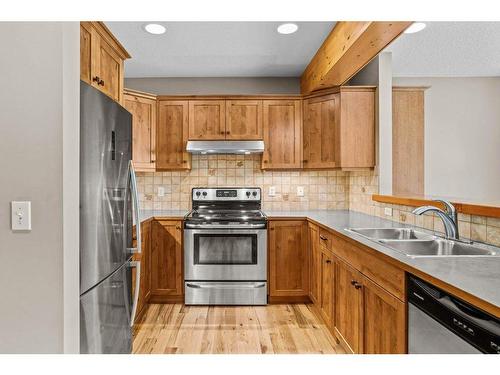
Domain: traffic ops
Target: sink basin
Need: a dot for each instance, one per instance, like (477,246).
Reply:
(391,233)
(438,247)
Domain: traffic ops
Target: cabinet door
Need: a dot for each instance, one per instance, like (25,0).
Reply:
(171,135)
(348,308)
(282,132)
(315,265)
(319,132)
(107,68)
(243,119)
(85,52)
(144,259)
(143,112)
(327,288)
(288,259)
(384,318)
(207,119)
(166,259)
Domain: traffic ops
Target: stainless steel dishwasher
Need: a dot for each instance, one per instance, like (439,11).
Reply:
(441,323)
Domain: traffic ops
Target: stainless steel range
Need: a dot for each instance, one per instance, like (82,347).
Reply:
(225,248)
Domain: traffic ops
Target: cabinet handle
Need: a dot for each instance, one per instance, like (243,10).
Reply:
(305,161)
(323,237)
(101,83)
(353,282)
(328,261)
(184,161)
(223,133)
(228,132)
(271,228)
(178,228)
(356,284)
(96,79)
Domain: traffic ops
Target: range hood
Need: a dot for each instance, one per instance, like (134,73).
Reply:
(225,147)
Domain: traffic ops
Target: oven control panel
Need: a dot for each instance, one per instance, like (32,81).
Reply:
(225,194)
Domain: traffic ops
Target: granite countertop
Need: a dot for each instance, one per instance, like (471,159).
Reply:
(479,276)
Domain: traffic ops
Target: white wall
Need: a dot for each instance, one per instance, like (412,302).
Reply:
(462,136)
(216,85)
(31,160)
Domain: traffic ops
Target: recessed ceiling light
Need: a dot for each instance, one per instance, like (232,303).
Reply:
(415,27)
(287,28)
(155,28)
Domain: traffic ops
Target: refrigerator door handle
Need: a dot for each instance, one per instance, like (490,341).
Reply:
(137,266)
(135,204)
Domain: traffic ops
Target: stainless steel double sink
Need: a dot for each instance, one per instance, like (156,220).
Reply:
(414,243)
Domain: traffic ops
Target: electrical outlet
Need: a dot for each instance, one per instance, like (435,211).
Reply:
(388,211)
(161,191)
(272,191)
(300,191)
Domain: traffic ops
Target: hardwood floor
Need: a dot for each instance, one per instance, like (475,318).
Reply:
(272,329)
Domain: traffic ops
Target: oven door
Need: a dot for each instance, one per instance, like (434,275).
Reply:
(225,254)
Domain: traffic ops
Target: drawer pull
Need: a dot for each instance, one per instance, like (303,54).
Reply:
(323,237)
(328,261)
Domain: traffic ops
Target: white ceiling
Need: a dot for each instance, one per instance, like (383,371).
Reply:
(464,49)
(219,49)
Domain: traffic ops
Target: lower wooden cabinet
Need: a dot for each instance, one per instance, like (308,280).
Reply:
(288,260)
(348,300)
(144,259)
(314,265)
(368,319)
(384,321)
(327,300)
(166,261)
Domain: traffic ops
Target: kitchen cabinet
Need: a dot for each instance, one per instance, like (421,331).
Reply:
(327,299)
(355,129)
(142,106)
(384,321)
(101,59)
(369,319)
(319,128)
(348,301)
(288,260)
(282,133)
(207,120)
(315,264)
(171,135)
(243,119)
(144,259)
(166,261)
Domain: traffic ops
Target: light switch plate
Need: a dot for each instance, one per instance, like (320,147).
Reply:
(388,211)
(300,191)
(161,191)
(21,215)
(272,191)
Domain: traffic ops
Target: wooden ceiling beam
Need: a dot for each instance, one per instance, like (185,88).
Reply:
(346,50)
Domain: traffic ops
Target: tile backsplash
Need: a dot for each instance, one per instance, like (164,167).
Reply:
(322,189)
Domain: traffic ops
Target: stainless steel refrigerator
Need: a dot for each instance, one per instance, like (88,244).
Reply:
(108,210)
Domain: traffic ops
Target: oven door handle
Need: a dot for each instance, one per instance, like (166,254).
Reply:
(225,286)
(215,226)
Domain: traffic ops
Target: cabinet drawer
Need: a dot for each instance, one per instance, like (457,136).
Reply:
(325,239)
(388,276)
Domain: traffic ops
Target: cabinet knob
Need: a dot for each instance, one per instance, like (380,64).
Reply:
(223,133)
(358,286)
(353,282)
(101,83)
(228,132)
(304,161)
(265,161)
(328,261)
(178,227)
(96,79)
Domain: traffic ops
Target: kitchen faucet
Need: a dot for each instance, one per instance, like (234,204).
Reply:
(449,217)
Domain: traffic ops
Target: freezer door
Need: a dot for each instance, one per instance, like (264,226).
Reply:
(105,152)
(105,314)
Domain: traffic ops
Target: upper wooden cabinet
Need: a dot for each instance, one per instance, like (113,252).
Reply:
(319,132)
(282,131)
(101,59)
(339,129)
(244,119)
(355,130)
(288,259)
(171,137)
(207,120)
(143,109)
